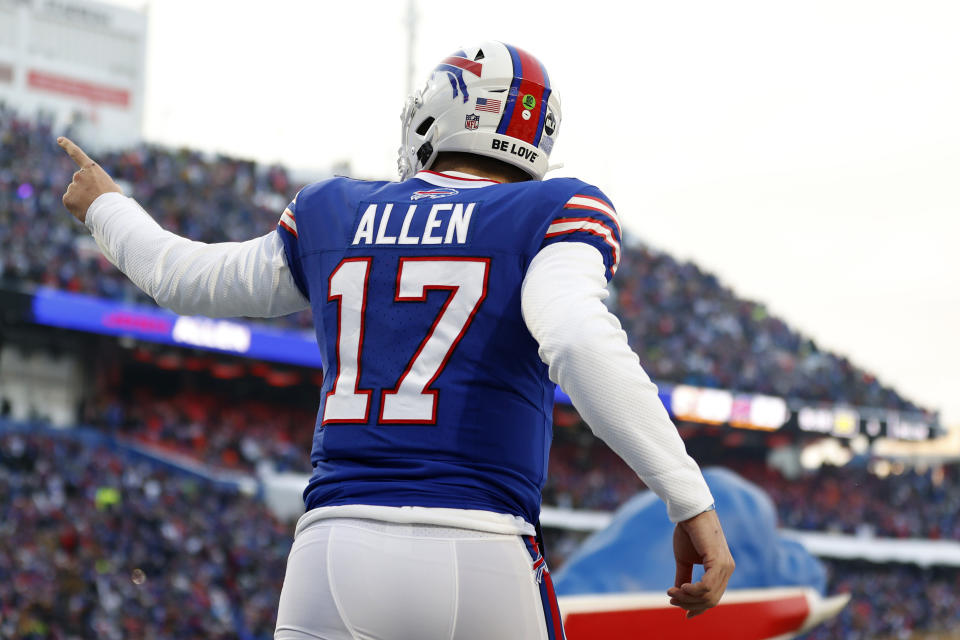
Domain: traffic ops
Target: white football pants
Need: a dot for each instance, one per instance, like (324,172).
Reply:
(367,579)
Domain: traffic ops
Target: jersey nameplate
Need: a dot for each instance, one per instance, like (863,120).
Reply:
(411,224)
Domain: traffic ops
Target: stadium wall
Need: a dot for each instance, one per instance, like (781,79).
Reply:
(79,61)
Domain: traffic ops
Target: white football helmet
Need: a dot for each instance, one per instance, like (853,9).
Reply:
(494,100)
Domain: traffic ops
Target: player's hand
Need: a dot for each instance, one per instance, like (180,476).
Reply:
(700,540)
(89,182)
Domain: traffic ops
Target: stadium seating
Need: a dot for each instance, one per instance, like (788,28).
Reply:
(95,542)
(81,515)
(225,432)
(238,434)
(686,326)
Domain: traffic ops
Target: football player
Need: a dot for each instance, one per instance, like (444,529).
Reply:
(447,306)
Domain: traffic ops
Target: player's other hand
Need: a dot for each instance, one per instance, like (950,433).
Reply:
(89,182)
(700,540)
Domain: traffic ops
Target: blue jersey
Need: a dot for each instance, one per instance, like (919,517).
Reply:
(433,392)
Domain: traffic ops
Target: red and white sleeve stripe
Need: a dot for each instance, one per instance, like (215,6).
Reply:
(595,227)
(289,222)
(594,205)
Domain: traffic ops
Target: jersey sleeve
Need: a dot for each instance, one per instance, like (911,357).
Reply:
(588,216)
(287,229)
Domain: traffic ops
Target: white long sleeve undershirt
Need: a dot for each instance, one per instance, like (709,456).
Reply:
(562,302)
(588,356)
(219,280)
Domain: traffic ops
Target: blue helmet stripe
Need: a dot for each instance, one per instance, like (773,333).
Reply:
(545,100)
(543,117)
(455,75)
(514,90)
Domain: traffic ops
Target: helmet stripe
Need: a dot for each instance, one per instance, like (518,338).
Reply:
(514,90)
(467,65)
(529,79)
(543,116)
(543,100)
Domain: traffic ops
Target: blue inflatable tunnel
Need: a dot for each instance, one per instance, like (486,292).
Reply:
(635,552)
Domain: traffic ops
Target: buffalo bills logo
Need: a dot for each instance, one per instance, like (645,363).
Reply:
(438,192)
(454,66)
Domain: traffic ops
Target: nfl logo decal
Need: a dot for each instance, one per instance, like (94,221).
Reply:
(472,121)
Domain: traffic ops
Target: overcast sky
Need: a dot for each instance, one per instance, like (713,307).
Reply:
(806,152)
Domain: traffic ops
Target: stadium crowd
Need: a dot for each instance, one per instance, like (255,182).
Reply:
(94,543)
(225,432)
(686,326)
(853,500)
(208,199)
(231,432)
(97,542)
(689,328)
(891,601)
(914,503)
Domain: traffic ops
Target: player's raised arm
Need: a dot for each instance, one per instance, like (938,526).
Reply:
(226,279)
(587,353)
(89,182)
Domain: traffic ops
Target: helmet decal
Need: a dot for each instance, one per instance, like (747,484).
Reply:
(527,100)
(454,66)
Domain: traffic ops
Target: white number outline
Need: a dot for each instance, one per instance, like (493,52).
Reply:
(357,361)
(454,290)
(424,288)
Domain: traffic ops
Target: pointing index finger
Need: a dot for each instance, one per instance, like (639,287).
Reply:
(75,152)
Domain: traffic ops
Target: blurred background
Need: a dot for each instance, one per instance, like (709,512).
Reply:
(786,174)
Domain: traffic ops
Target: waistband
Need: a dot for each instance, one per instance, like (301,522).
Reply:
(469,519)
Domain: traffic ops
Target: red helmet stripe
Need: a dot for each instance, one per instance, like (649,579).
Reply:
(462,63)
(532,83)
(531,68)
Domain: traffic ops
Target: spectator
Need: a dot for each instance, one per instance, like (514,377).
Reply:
(94,544)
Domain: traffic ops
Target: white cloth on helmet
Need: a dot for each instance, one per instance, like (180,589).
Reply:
(580,340)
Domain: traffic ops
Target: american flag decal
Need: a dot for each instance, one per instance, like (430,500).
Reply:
(488,104)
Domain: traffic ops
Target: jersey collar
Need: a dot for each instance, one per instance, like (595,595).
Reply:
(455,179)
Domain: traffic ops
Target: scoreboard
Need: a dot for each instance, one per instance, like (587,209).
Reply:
(80,63)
